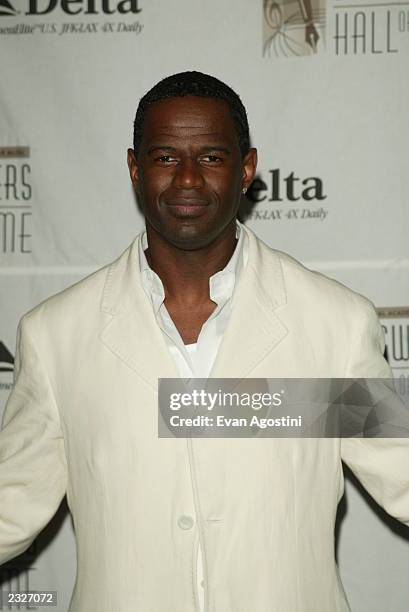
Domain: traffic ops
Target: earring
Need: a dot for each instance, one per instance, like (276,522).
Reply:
(243,191)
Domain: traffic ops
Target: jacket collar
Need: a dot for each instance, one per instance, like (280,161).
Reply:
(254,329)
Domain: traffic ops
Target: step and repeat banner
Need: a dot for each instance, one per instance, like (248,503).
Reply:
(326,89)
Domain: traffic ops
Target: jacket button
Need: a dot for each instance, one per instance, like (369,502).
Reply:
(185,522)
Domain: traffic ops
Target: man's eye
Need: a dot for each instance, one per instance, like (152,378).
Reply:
(211,158)
(165,159)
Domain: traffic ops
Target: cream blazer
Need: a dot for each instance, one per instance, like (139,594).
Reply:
(82,421)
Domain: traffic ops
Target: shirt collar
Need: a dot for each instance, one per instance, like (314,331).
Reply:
(221,284)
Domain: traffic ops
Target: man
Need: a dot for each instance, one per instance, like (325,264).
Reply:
(197,294)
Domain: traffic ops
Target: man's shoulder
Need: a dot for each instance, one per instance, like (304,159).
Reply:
(79,301)
(332,315)
(313,291)
(299,276)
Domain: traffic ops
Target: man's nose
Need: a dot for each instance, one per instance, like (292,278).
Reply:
(188,175)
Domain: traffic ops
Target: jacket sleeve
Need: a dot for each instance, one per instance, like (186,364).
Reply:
(381,464)
(33,472)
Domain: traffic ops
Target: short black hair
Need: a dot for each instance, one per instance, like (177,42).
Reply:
(193,83)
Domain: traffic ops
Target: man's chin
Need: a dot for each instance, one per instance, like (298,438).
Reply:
(190,237)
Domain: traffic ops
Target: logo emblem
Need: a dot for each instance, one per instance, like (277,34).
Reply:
(6,8)
(293,27)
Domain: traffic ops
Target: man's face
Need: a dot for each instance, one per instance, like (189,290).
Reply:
(189,172)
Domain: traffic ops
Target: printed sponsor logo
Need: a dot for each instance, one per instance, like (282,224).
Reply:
(72,7)
(293,27)
(342,27)
(89,9)
(6,152)
(6,8)
(369,28)
(279,196)
(395,323)
(15,200)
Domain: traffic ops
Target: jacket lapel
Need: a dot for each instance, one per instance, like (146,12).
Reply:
(132,332)
(254,328)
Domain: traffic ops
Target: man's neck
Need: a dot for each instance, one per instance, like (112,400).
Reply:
(185,273)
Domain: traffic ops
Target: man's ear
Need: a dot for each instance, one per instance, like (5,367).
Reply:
(249,167)
(133,168)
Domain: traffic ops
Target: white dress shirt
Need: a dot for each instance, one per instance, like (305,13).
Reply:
(196,360)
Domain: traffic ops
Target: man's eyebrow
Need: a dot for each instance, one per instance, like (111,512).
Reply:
(154,148)
(216,148)
(203,149)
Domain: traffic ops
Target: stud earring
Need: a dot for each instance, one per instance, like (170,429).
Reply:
(243,191)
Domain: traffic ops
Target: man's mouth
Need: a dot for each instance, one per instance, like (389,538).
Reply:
(186,207)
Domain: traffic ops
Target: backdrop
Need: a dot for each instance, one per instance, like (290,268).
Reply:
(326,88)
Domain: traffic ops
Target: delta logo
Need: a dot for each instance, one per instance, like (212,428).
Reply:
(71,7)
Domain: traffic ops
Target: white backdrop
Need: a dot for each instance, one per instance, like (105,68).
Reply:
(330,121)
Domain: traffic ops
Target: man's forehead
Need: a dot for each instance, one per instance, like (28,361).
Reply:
(188,112)
(182,131)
